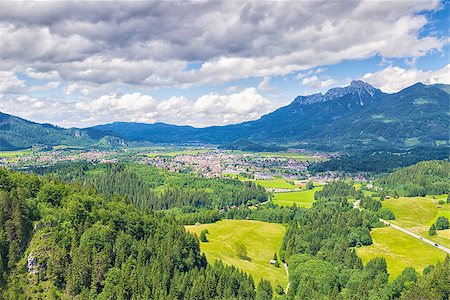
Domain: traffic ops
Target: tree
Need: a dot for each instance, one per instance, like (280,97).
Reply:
(241,250)
(386,214)
(264,290)
(279,289)
(432,230)
(442,223)
(310,185)
(203,235)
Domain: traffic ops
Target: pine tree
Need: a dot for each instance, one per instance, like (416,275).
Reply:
(432,230)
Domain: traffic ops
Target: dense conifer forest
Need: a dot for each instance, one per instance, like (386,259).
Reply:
(148,187)
(424,178)
(62,241)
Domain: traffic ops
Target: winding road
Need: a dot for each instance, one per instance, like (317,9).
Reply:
(356,205)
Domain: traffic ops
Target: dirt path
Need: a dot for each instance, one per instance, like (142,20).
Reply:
(287,273)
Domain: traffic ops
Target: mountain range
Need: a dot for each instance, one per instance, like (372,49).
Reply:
(352,117)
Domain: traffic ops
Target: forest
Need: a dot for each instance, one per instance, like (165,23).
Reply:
(421,179)
(72,233)
(148,187)
(63,241)
(380,160)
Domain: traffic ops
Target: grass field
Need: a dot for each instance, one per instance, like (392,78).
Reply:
(276,183)
(301,199)
(400,251)
(261,240)
(418,213)
(10,154)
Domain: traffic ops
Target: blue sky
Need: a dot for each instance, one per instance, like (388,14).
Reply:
(77,64)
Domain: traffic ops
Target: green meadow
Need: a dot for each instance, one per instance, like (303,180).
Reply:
(418,213)
(400,251)
(303,198)
(276,183)
(17,153)
(261,241)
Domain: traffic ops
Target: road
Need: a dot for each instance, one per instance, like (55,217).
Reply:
(287,273)
(416,236)
(356,205)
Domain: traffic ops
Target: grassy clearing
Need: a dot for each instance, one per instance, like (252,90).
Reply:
(301,199)
(261,240)
(418,213)
(17,153)
(400,251)
(276,183)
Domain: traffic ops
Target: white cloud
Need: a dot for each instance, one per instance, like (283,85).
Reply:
(49,86)
(316,83)
(246,102)
(393,79)
(151,43)
(42,75)
(10,84)
(264,85)
(210,109)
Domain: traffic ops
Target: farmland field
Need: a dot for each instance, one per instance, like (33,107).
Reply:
(261,240)
(400,251)
(418,213)
(303,198)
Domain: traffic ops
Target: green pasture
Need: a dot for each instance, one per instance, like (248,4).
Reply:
(276,183)
(418,213)
(400,251)
(303,198)
(16,153)
(261,241)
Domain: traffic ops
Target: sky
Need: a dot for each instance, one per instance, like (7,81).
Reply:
(202,63)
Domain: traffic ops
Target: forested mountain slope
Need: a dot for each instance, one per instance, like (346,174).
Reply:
(354,117)
(423,178)
(59,241)
(17,133)
(357,116)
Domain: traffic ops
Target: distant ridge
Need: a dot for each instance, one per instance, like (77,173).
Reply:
(357,116)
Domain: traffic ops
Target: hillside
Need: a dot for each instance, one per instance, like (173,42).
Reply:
(260,239)
(62,242)
(17,133)
(353,117)
(423,178)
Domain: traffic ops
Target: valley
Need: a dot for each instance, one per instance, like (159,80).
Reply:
(224,150)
